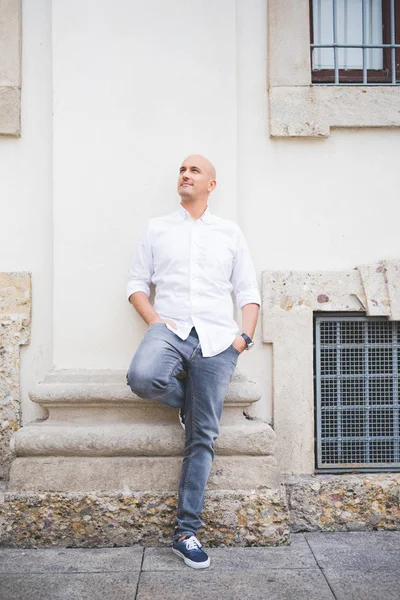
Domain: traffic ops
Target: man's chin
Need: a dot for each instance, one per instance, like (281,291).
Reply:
(185,193)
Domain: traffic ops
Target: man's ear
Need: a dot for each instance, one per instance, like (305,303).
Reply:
(212,185)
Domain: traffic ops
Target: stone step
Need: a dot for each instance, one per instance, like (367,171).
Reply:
(252,438)
(100,436)
(85,474)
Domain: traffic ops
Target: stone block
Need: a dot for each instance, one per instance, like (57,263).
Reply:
(374,584)
(311,111)
(251,438)
(297,555)
(10,43)
(78,474)
(15,319)
(10,67)
(233,518)
(121,586)
(363,551)
(70,560)
(362,502)
(288,584)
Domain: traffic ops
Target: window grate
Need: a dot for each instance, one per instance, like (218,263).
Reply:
(357,363)
(355,42)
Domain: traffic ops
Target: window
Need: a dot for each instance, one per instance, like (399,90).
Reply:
(355,42)
(357,364)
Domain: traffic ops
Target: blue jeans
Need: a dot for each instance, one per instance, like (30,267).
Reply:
(175,372)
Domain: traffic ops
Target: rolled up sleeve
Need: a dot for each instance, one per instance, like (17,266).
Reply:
(244,279)
(141,270)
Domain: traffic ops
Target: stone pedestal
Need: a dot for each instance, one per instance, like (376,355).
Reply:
(104,468)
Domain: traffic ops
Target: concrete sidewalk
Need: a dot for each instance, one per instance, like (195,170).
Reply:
(320,566)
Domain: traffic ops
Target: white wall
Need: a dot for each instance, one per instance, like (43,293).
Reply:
(137,86)
(25,195)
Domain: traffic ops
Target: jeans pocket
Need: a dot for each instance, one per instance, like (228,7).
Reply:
(234,349)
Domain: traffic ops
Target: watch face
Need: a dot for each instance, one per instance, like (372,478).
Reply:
(250,345)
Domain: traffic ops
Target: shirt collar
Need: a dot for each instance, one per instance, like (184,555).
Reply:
(183,214)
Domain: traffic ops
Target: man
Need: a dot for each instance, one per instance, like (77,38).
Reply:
(189,352)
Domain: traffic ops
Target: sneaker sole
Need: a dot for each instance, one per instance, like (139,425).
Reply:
(191,563)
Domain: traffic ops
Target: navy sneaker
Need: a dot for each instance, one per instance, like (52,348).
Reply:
(190,550)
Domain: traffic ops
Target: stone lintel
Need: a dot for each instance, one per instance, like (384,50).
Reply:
(311,111)
(72,473)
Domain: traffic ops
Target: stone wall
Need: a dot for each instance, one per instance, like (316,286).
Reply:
(361,502)
(232,518)
(15,319)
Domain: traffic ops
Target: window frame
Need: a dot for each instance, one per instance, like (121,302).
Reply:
(299,109)
(377,76)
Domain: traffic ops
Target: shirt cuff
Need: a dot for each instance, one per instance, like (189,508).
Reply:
(250,296)
(137,286)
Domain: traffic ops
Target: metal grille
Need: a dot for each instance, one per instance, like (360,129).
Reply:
(356,35)
(357,393)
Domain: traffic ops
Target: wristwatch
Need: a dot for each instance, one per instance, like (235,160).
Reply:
(249,341)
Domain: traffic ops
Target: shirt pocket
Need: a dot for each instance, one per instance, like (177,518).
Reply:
(217,259)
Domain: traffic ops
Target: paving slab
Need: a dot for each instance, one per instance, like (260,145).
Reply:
(70,560)
(380,584)
(60,586)
(287,584)
(356,550)
(295,556)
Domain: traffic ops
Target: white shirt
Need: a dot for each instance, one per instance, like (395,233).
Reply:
(195,266)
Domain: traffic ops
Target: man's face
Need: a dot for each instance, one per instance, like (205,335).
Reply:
(195,178)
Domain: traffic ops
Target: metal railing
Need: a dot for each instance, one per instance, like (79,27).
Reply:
(364,46)
(357,363)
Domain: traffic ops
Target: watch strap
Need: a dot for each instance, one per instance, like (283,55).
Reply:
(247,339)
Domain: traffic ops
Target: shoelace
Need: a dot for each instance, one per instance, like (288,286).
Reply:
(192,543)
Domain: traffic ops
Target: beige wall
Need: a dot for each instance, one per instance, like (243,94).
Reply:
(135,88)
(26,194)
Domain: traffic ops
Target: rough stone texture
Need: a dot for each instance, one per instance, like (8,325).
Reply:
(299,109)
(15,318)
(345,502)
(241,518)
(10,67)
(289,301)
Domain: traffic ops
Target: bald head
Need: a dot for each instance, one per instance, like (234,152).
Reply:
(203,163)
(197,178)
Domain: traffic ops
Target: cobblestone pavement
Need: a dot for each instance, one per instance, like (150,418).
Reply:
(346,566)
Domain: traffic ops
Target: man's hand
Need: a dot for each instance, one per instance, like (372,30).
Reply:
(239,343)
(164,321)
